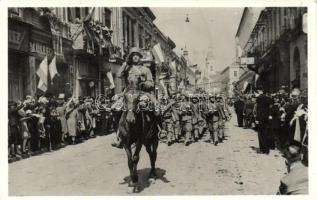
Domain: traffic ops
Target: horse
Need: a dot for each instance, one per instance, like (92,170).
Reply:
(138,127)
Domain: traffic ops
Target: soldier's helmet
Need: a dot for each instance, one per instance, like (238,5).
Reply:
(195,98)
(164,99)
(135,50)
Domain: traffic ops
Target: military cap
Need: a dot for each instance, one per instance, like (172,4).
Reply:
(135,50)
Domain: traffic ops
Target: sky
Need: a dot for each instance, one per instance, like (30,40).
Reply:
(208,27)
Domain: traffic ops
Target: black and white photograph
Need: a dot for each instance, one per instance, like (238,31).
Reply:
(158,101)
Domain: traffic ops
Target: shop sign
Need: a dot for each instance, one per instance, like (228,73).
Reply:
(16,39)
(247,60)
(36,47)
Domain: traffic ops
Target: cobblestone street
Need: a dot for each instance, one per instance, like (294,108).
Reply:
(95,168)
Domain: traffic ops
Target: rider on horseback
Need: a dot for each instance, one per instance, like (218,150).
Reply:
(139,81)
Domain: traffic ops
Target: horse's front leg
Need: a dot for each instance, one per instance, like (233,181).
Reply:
(127,149)
(135,160)
(151,149)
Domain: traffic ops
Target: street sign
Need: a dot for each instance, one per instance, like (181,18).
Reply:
(247,60)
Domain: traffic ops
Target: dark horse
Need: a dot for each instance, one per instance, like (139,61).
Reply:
(141,130)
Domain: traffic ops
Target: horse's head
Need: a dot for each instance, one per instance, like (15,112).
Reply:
(130,100)
(143,102)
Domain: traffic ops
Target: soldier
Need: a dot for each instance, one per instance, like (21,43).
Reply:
(220,124)
(209,115)
(138,79)
(177,113)
(168,116)
(196,120)
(187,114)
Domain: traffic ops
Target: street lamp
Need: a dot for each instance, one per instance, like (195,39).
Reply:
(187,18)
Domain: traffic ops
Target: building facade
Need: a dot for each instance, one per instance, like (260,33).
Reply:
(82,63)
(278,45)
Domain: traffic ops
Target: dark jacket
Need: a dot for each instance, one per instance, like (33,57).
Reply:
(263,107)
(239,106)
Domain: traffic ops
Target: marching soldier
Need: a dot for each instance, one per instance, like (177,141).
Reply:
(196,120)
(168,117)
(177,113)
(187,114)
(210,115)
(220,110)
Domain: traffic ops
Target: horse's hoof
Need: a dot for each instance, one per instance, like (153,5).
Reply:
(130,190)
(152,174)
(152,180)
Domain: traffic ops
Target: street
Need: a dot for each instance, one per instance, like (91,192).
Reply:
(95,168)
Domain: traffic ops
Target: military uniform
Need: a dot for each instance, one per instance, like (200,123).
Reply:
(187,115)
(212,117)
(176,120)
(168,118)
(197,119)
(219,126)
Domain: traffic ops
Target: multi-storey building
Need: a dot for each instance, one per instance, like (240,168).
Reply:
(38,32)
(278,45)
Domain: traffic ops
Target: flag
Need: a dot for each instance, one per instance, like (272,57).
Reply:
(90,14)
(158,53)
(42,73)
(52,68)
(42,86)
(76,31)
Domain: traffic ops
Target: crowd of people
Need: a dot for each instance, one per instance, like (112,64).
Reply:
(49,123)
(278,117)
(281,122)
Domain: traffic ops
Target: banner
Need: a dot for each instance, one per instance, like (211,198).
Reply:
(158,53)
(52,68)
(42,73)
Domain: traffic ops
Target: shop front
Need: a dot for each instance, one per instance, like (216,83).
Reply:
(18,72)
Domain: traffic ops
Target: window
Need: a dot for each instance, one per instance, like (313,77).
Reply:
(77,13)
(141,45)
(106,21)
(128,31)
(235,74)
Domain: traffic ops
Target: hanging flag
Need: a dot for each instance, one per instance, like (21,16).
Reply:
(42,73)
(158,53)
(76,31)
(90,14)
(52,68)
(42,86)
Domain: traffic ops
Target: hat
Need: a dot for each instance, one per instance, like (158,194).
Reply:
(292,149)
(61,96)
(135,50)
(295,92)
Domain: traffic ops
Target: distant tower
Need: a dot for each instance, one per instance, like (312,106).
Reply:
(186,56)
(210,62)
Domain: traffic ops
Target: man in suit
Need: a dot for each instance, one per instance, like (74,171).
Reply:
(238,107)
(262,118)
(296,181)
